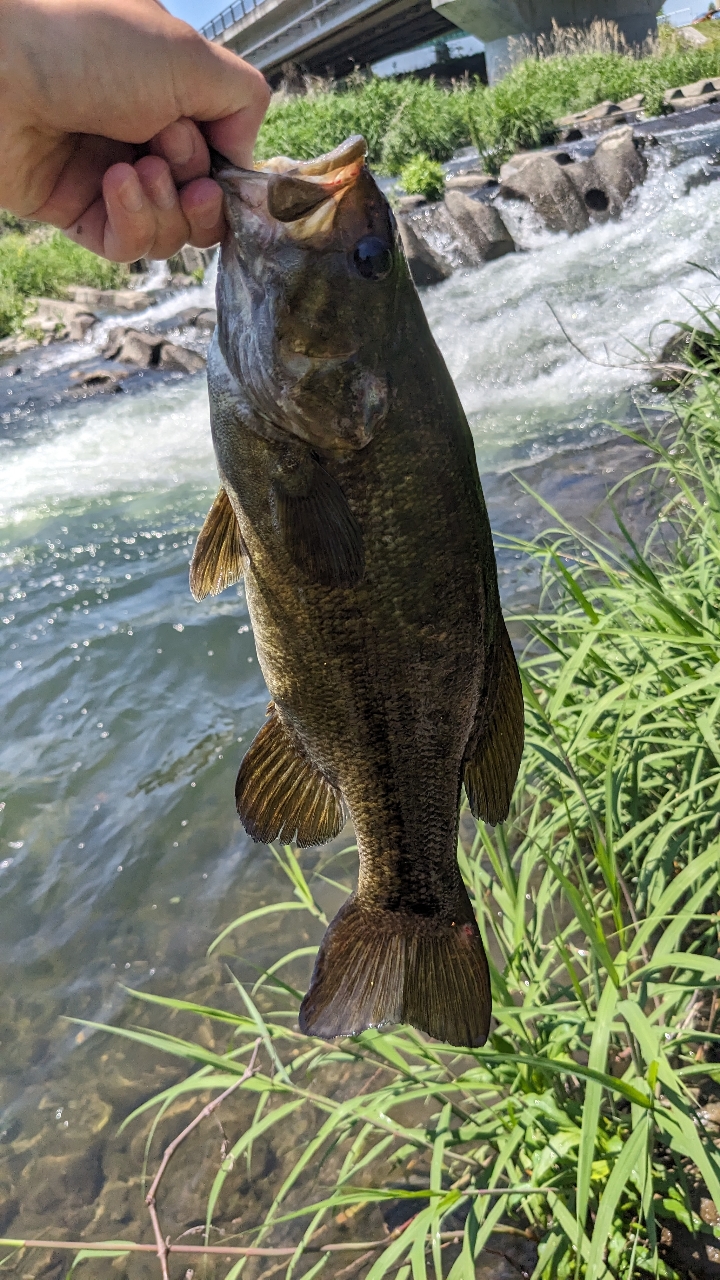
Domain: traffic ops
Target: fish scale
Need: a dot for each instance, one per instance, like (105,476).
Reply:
(352,505)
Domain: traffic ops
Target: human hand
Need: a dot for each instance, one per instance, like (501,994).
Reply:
(99,101)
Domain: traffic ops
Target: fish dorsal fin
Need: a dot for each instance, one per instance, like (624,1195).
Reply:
(320,532)
(491,770)
(281,794)
(217,558)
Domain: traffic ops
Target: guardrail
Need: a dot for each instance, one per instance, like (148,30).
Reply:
(234,12)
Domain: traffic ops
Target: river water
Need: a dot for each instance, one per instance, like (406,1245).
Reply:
(127,707)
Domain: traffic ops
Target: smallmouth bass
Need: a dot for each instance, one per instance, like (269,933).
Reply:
(351,504)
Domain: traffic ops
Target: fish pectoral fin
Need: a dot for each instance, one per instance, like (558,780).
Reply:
(217,558)
(320,532)
(377,967)
(491,770)
(281,794)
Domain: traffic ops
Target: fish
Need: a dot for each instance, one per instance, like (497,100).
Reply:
(351,507)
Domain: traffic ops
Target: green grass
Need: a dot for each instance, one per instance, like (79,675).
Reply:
(401,118)
(424,177)
(46,268)
(598,903)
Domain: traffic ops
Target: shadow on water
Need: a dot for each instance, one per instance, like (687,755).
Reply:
(127,707)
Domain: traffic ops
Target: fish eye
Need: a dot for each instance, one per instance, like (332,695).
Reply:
(372,258)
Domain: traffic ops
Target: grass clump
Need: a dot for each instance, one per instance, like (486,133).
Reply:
(424,177)
(46,267)
(582,1117)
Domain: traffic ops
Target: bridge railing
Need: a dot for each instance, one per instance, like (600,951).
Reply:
(234,12)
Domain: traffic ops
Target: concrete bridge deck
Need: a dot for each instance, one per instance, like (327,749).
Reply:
(326,36)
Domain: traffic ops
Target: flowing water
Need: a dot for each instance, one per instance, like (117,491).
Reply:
(127,707)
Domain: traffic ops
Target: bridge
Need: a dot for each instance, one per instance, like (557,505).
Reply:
(328,36)
(333,36)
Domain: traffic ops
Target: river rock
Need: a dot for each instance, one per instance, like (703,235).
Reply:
(62,318)
(98,378)
(62,1182)
(617,166)
(406,204)
(180,359)
(134,346)
(569,193)
(473,181)
(540,178)
(697,94)
(110,299)
(456,232)
(481,225)
(601,111)
(426,266)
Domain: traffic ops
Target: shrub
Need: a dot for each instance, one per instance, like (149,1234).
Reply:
(424,177)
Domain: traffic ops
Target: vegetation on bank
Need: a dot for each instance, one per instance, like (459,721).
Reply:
(423,176)
(400,118)
(46,265)
(583,1116)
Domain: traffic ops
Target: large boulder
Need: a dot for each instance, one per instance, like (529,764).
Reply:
(616,168)
(426,266)
(483,230)
(455,232)
(567,193)
(541,179)
(62,319)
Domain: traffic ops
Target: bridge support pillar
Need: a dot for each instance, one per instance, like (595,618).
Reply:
(501,24)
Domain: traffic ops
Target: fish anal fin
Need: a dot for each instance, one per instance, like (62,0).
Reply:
(217,558)
(376,967)
(320,532)
(281,794)
(492,767)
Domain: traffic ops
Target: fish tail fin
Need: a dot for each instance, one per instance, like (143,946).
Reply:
(379,967)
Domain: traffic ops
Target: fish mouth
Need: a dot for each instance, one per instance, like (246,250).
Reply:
(303,195)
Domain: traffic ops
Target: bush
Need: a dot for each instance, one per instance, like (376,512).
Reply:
(579,1123)
(424,177)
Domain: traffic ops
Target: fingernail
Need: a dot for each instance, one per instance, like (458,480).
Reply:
(178,143)
(164,192)
(130,195)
